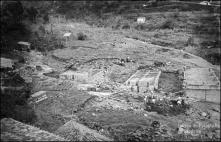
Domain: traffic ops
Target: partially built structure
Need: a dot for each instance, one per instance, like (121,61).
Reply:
(143,81)
(202,84)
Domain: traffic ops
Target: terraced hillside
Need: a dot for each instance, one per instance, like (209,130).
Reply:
(78,88)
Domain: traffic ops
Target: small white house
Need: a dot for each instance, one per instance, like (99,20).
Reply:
(6,63)
(38,97)
(66,36)
(24,45)
(141,20)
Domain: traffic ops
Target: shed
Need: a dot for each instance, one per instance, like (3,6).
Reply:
(141,20)
(24,46)
(6,63)
(76,76)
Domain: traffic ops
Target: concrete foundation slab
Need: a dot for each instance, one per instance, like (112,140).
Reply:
(202,84)
(144,81)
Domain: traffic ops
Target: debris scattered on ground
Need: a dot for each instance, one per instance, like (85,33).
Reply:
(86,91)
(166,106)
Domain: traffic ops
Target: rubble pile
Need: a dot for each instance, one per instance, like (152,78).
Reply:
(166,106)
(156,132)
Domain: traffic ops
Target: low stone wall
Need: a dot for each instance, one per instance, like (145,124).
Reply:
(204,95)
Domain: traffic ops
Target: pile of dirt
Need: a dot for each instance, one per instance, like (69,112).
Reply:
(117,124)
(77,132)
(51,113)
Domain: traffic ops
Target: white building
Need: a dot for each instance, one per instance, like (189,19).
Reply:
(141,20)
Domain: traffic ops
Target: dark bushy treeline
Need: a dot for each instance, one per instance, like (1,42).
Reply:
(14,103)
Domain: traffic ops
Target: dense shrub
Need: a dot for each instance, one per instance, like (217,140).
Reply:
(46,18)
(15,105)
(32,13)
(167,107)
(126,26)
(142,27)
(190,41)
(168,24)
(176,14)
(81,36)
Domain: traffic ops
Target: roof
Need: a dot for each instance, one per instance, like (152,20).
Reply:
(6,63)
(39,93)
(24,43)
(67,34)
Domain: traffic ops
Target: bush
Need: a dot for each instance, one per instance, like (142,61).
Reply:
(15,105)
(176,14)
(190,41)
(81,36)
(24,114)
(126,26)
(166,107)
(32,13)
(42,30)
(117,26)
(142,27)
(46,18)
(168,24)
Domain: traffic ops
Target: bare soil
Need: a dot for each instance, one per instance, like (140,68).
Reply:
(162,43)
(170,82)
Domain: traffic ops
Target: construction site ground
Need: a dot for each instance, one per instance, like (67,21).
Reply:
(121,114)
(114,111)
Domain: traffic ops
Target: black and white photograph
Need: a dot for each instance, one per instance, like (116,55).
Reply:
(110,70)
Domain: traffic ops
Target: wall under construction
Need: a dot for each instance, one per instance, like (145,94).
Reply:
(202,84)
(144,81)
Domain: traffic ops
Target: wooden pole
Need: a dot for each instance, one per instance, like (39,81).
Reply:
(66,42)
(51,29)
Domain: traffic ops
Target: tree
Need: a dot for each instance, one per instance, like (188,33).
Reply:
(32,12)
(15,10)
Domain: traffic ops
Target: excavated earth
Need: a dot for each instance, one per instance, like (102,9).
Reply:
(120,114)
